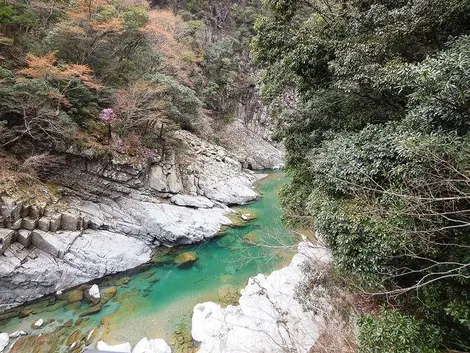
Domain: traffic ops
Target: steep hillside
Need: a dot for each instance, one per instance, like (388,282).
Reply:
(372,100)
(114,118)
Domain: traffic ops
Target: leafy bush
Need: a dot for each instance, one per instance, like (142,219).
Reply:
(396,332)
(372,101)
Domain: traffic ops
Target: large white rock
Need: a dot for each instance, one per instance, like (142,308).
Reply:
(38,323)
(151,346)
(235,190)
(269,317)
(93,294)
(4,339)
(121,348)
(55,244)
(156,223)
(192,201)
(92,255)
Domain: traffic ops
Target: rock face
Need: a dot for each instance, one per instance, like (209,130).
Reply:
(256,153)
(28,274)
(249,135)
(113,214)
(192,201)
(6,238)
(110,214)
(270,317)
(154,223)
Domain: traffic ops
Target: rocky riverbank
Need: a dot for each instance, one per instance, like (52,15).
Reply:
(104,216)
(274,313)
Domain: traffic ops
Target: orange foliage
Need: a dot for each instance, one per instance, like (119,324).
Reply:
(39,66)
(46,67)
(113,25)
(85,12)
(164,29)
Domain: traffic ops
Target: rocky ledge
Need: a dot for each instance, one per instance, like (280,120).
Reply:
(107,215)
(272,315)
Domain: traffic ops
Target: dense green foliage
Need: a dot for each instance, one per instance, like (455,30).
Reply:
(64,62)
(372,99)
(221,32)
(408,334)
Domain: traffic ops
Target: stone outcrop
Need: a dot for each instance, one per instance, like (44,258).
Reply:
(249,135)
(28,274)
(106,216)
(6,238)
(255,152)
(271,315)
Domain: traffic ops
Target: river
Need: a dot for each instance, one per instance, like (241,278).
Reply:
(156,301)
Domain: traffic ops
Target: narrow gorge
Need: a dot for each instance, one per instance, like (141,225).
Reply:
(233,176)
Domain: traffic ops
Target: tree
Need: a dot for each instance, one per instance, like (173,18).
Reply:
(39,101)
(372,101)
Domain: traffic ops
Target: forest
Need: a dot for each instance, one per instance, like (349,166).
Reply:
(114,77)
(372,100)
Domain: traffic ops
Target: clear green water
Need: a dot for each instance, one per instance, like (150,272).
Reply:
(144,308)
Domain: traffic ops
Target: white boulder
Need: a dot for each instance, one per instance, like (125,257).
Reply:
(4,339)
(270,317)
(151,346)
(121,348)
(38,323)
(17,334)
(192,201)
(93,294)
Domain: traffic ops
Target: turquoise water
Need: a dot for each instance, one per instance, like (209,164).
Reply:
(145,307)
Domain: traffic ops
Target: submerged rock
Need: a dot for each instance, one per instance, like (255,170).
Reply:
(108,293)
(153,279)
(151,346)
(251,238)
(25,313)
(91,336)
(123,281)
(269,316)
(75,337)
(228,295)
(121,348)
(75,295)
(186,258)
(92,310)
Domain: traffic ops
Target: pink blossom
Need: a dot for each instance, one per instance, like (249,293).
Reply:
(107,115)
